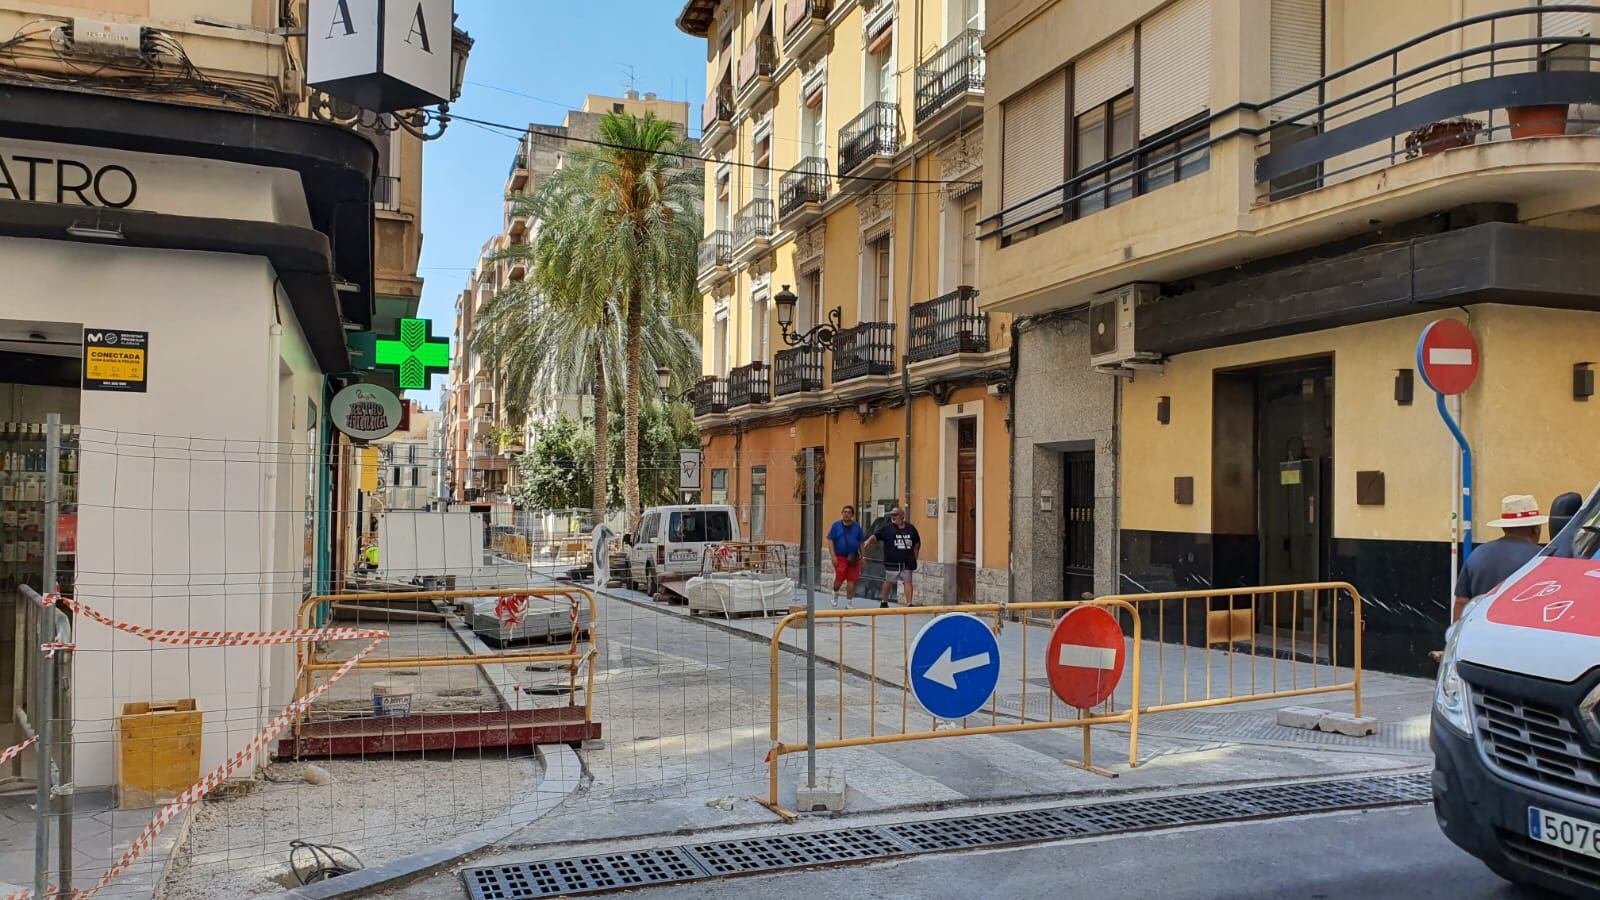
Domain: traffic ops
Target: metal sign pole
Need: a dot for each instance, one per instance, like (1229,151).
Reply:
(1466,477)
(810,574)
(44,727)
(61,796)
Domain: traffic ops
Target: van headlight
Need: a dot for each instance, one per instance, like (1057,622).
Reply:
(1450,698)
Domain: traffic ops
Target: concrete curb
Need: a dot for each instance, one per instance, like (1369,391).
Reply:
(563,775)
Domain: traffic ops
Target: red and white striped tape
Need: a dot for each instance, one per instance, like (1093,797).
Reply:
(187,638)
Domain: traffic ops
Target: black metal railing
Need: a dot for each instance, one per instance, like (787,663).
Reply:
(876,132)
(956,70)
(797,370)
(948,324)
(805,183)
(520,161)
(754,222)
(1396,114)
(867,349)
(386,192)
(719,107)
(716,250)
(749,384)
(710,396)
(759,60)
(797,12)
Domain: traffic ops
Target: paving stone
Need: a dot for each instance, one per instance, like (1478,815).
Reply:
(1307,717)
(1346,723)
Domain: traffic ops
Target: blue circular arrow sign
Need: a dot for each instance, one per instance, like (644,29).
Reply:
(955,665)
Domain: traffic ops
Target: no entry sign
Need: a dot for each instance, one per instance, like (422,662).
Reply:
(1448,357)
(1085,657)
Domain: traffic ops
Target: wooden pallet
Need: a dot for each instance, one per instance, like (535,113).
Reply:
(368,736)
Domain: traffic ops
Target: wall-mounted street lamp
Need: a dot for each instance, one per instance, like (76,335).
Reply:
(819,336)
(664,384)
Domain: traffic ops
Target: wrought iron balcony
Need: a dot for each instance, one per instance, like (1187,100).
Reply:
(749,384)
(759,60)
(873,134)
(710,396)
(796,371)
(802,185)
(948,324)
(954,72)
(716,251)
(867,349)
(799,14)
(753,223)
(718,111)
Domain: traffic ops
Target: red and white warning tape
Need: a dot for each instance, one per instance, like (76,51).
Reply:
(187,638)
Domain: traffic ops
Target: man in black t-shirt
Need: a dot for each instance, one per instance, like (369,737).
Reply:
(900,545)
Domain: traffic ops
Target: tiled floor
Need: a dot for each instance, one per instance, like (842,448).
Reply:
(100,834)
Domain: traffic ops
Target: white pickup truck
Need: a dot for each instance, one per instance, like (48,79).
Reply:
(1516,719)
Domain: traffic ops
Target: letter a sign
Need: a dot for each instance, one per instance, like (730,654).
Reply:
(382,55)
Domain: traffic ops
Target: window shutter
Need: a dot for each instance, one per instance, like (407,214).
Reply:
(1033,157)
(1103,73)
(1564,24)
(1174,65)
(1296,55)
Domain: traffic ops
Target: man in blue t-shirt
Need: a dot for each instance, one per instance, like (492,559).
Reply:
(846,536)
(900,545)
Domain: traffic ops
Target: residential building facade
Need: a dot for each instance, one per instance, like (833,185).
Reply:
(843,194)
(1223,225)
(488,429)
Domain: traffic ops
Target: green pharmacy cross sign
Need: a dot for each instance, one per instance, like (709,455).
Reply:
(416,355)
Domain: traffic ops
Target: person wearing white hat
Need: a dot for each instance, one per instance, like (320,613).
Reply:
(1494,562)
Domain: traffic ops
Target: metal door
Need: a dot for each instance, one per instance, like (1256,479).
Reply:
(967,511)
(1077,530)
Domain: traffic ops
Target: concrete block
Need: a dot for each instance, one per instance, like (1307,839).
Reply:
(1346,723)
(1307,717)
(827,796)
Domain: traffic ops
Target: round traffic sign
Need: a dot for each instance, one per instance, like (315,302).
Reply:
(1448,356)
(955,665)
(1085,657)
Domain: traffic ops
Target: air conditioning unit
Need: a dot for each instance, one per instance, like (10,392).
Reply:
(1111,326)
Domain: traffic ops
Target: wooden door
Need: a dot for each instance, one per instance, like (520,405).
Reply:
(967,511)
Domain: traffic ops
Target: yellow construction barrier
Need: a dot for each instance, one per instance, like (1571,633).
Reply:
(1184,650)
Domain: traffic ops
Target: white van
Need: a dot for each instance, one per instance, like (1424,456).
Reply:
(1516,719)
(672,541)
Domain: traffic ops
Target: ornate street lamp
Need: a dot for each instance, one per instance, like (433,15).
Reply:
(328,108)
(817,337)
(664,383)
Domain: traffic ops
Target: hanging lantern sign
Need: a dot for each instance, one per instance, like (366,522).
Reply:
(381,55)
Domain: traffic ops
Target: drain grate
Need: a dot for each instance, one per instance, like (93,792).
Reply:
(692,862)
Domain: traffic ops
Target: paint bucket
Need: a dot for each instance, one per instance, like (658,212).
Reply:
(391,699)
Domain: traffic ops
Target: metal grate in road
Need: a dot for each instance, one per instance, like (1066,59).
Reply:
(693,862)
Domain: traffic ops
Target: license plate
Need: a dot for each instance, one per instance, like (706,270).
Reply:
(1565,832)
(682,556)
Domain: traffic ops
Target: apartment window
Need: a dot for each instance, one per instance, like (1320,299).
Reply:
(877,480)
(719,485)
(878,307)
(1175,92)
(617,108)
(959,253)
(969,243)
(762,189)
(1034,151)
(395,479)
(1174,160)
(416,475)
(972,14)
(879,83)
(758,503)
(1102,133)
(760,331)
(813,126)
(724,201)
(719,346)
(809,312)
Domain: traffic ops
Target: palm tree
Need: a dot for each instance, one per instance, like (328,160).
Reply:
(626,228)
(559,331)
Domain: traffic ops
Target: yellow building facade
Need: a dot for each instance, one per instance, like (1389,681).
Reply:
(845,141)
(1225,223)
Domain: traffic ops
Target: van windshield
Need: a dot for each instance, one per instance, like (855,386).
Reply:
(700,526)
(1581,538)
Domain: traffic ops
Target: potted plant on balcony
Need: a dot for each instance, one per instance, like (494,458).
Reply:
(1444,134)
(1537,120)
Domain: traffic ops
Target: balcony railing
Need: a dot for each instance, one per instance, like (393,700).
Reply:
(953,72)
(754,222)
(710,396)
(797,370)
(520,161)
(876,132)
(759,60)
(797,12)
(386,192)
(718,108)
(948,324)
(716,251)
(867,349)
(805,183)
(749,384)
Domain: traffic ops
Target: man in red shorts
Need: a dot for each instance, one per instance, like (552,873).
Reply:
(846,536)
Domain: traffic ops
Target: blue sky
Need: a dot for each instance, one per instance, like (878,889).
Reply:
(555,51)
